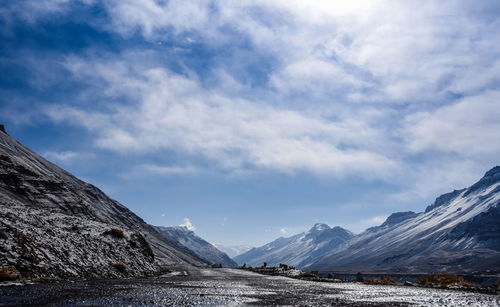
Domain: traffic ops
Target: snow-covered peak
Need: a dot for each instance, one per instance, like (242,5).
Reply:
(319,227)
(299,250)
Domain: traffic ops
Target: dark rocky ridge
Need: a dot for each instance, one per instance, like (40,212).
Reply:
(54,225)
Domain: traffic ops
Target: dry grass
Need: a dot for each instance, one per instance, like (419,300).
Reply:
(443,280)
(9,273)
(382,280)
(120,267)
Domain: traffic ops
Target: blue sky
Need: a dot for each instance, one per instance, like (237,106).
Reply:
(256,119)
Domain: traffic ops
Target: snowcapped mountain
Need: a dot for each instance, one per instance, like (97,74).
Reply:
(185,238)
(55,225)
(299,250)
(233,251)
(459,232)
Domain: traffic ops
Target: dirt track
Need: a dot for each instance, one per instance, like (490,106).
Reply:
(227,287)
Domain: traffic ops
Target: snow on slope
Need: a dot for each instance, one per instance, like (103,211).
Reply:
(56,226)
(299,250)
(183,237)
(460,232)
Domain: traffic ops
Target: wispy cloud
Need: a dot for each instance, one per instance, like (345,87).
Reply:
(174,113)
(374,220)
(66,156)
(168,170)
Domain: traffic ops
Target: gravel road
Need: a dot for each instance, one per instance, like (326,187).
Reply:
(228,287)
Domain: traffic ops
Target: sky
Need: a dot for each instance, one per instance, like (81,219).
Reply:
(250,120)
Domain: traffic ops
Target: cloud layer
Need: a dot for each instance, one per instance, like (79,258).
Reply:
(381,90)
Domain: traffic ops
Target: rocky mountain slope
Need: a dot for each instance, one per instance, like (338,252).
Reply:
(459,232)
(184,238)
(300,250)
(54,225)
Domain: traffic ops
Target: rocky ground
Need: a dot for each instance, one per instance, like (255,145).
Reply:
(229,287)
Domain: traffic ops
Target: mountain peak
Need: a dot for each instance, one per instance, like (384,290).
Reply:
(494,172)
(320,227)
(398,217)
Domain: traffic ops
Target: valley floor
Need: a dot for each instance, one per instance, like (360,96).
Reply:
(229,287)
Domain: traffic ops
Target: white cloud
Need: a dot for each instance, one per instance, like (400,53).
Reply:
(374,220)
(187,223)
(468,127)
(363,88)
(283,231)
(172,112)
(66,156)
(365,50)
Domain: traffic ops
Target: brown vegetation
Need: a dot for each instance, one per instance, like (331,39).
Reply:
(443,280)
(382,280)
(9,273)
(116,232)
(312,274)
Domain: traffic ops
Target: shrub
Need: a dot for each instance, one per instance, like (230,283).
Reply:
(313,274)
(383,280)
(443,280)
(116,232)
(120,267)
(9,273)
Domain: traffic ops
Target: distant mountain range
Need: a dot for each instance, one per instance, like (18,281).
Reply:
(182,237)
(53,225)
(459,232)
(300,250)
(233,251)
